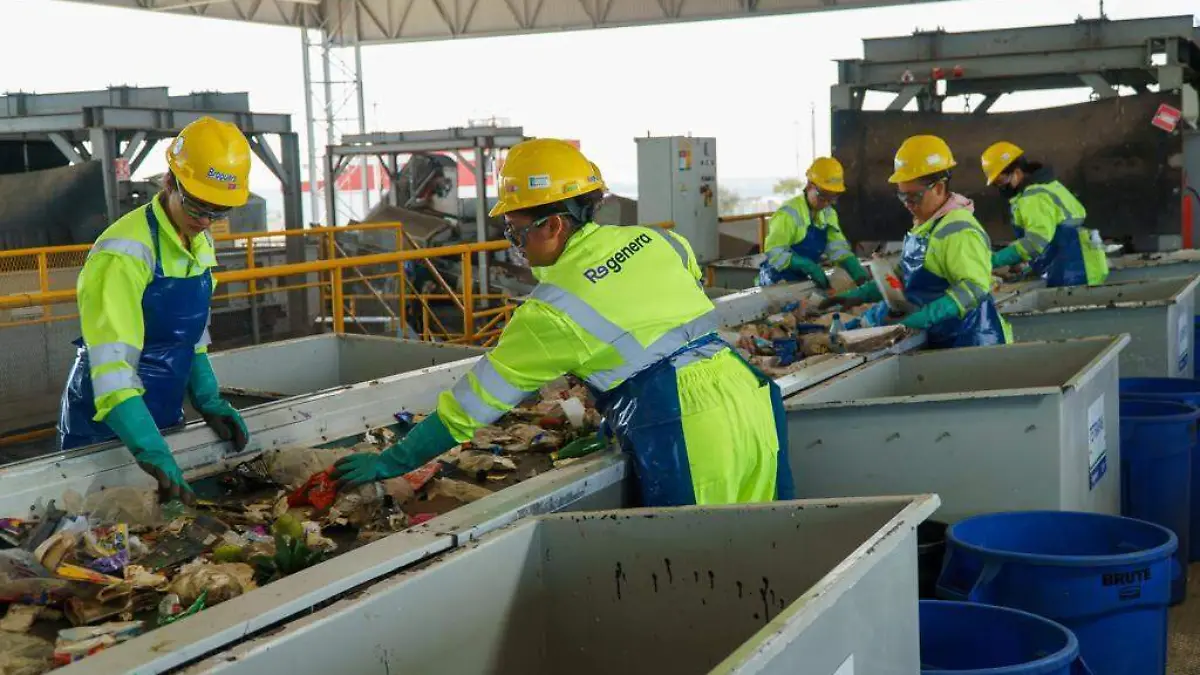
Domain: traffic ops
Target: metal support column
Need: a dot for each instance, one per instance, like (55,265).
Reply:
(362,119)
(310,127)
(293,219)
(481,160)
(330,178)
(104,149)
(330,171)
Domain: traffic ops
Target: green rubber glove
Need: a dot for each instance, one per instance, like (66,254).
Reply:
(132,423)
(939,310)
(205,395)
(1006,257)
(810,269)
(856,270)
(853,298)
(427,440)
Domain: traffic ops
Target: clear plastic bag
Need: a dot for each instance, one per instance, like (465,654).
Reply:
(24,654)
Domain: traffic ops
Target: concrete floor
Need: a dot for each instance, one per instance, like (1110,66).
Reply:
(1183,643)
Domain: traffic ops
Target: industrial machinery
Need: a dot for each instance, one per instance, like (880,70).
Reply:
(677,182)
(104,136)
(1134,160)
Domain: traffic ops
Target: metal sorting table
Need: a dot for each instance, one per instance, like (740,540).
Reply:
(310,364)
(737,272)
(1012,427)
(803,587)
(333,413)
(1157,314)
(1136,266)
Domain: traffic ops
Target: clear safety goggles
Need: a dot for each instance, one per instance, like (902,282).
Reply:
(825,196)
(913,198)
(201,210)
(519,237)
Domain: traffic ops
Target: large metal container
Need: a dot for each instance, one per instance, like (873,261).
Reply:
(1135,267)
(736,272)
(809,588)
(1157,314)
(310,364)
(1022,426)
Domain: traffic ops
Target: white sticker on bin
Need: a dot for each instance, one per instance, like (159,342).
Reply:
(847,667)
(1097,443)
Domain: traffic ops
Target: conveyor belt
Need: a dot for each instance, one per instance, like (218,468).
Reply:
(323,417)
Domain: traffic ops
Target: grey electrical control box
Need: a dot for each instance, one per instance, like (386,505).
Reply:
(677,182)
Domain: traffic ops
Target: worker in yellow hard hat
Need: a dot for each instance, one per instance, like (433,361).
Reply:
(1048,220)
(144,296)
(806,227)
(622,308)
(946,263)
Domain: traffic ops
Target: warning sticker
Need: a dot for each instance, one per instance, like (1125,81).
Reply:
(1097,443)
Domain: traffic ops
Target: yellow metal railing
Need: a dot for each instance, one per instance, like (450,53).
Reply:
(762,219)
(44,279)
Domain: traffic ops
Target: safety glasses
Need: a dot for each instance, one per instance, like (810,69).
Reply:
(519,237)
(827,197)
(201,210)
(913,198)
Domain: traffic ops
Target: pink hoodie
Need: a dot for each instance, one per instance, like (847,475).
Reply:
(956,201)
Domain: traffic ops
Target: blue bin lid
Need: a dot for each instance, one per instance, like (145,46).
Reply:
(1157,410)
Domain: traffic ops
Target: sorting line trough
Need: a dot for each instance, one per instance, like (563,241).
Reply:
(1013,427)
(1157,314)
(803,587)
(332,414)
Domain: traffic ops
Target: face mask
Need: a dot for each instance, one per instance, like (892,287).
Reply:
(1007,191)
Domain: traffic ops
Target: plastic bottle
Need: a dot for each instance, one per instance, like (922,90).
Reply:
(835,333)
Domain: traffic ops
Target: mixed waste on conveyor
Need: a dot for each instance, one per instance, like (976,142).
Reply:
(96,571)
(798,336)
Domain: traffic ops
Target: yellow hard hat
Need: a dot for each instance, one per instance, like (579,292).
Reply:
(543,171)
(826,173)
(921,156)
(211,161)
(997,158)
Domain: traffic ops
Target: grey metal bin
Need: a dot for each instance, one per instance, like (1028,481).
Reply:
(1157,314)
(1013,427)
(1136,267)
(736,272)
(310,364)
(805,588)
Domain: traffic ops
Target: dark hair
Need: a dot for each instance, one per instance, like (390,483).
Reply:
(1024,164)
(939,177)
(580,209)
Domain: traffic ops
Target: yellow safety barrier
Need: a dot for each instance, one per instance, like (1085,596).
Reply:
(45,278)
(762,219)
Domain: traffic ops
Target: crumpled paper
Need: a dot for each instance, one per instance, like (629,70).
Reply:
(456,489)
(223,581)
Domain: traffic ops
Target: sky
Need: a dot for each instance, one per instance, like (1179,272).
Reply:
(750,83)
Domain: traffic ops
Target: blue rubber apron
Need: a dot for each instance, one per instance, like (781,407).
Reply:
(1061,262)
(812,246)
(981,326)
(175,314)
(644,414)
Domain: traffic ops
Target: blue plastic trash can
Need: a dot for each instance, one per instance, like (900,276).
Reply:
(964,637)
(1107,578)
(1183,391)
(1157,439)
